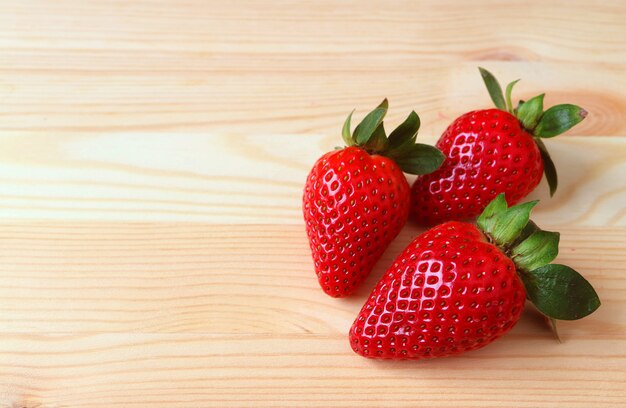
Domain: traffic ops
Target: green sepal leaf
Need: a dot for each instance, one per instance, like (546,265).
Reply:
(494,89)
(511,222)
(420,159)
(368,125)
(505,226)
(399,151)
(405,132)
(509,89)
(378,141)
(528,230)
(549,168)
(345,132)
(400,146)
(539,249)
(530,112)
(519,105)
(559,119)
(487,220)
(560,292)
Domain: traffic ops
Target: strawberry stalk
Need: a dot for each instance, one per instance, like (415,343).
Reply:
(558,291)
(400,145)
(537,122)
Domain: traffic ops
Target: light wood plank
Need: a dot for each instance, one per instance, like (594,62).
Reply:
(182,278)
(220,178)
(310,102)
(298,67)
(152,156)
(144,370)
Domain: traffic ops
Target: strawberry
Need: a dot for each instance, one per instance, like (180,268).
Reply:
(458,287)
(356,199)
(492,151)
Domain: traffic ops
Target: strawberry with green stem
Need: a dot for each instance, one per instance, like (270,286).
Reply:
(492,151)
(356,199)
(459,286)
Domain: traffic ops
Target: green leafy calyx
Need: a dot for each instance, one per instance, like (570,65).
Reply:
(548,166)
(539,123)
(400,145)
(502,224)
(558,291)
(554,121)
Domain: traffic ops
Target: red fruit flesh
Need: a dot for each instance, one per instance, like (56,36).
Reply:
(487,153)
(354,205)
(448,292)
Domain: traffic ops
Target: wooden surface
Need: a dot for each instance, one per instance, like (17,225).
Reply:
(152,156)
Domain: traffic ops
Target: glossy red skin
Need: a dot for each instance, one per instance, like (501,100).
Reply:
(354,205)
(487,153)
(448,292)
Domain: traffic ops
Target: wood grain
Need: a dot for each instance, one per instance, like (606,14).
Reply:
(107,314)
(223,279)
(225,178)
(298,67)
(152,156)
(302,370)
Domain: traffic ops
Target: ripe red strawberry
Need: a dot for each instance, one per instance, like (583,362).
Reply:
(356,199)
(491,151)
(458,287)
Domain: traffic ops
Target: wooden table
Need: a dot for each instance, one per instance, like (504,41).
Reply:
(152,157)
